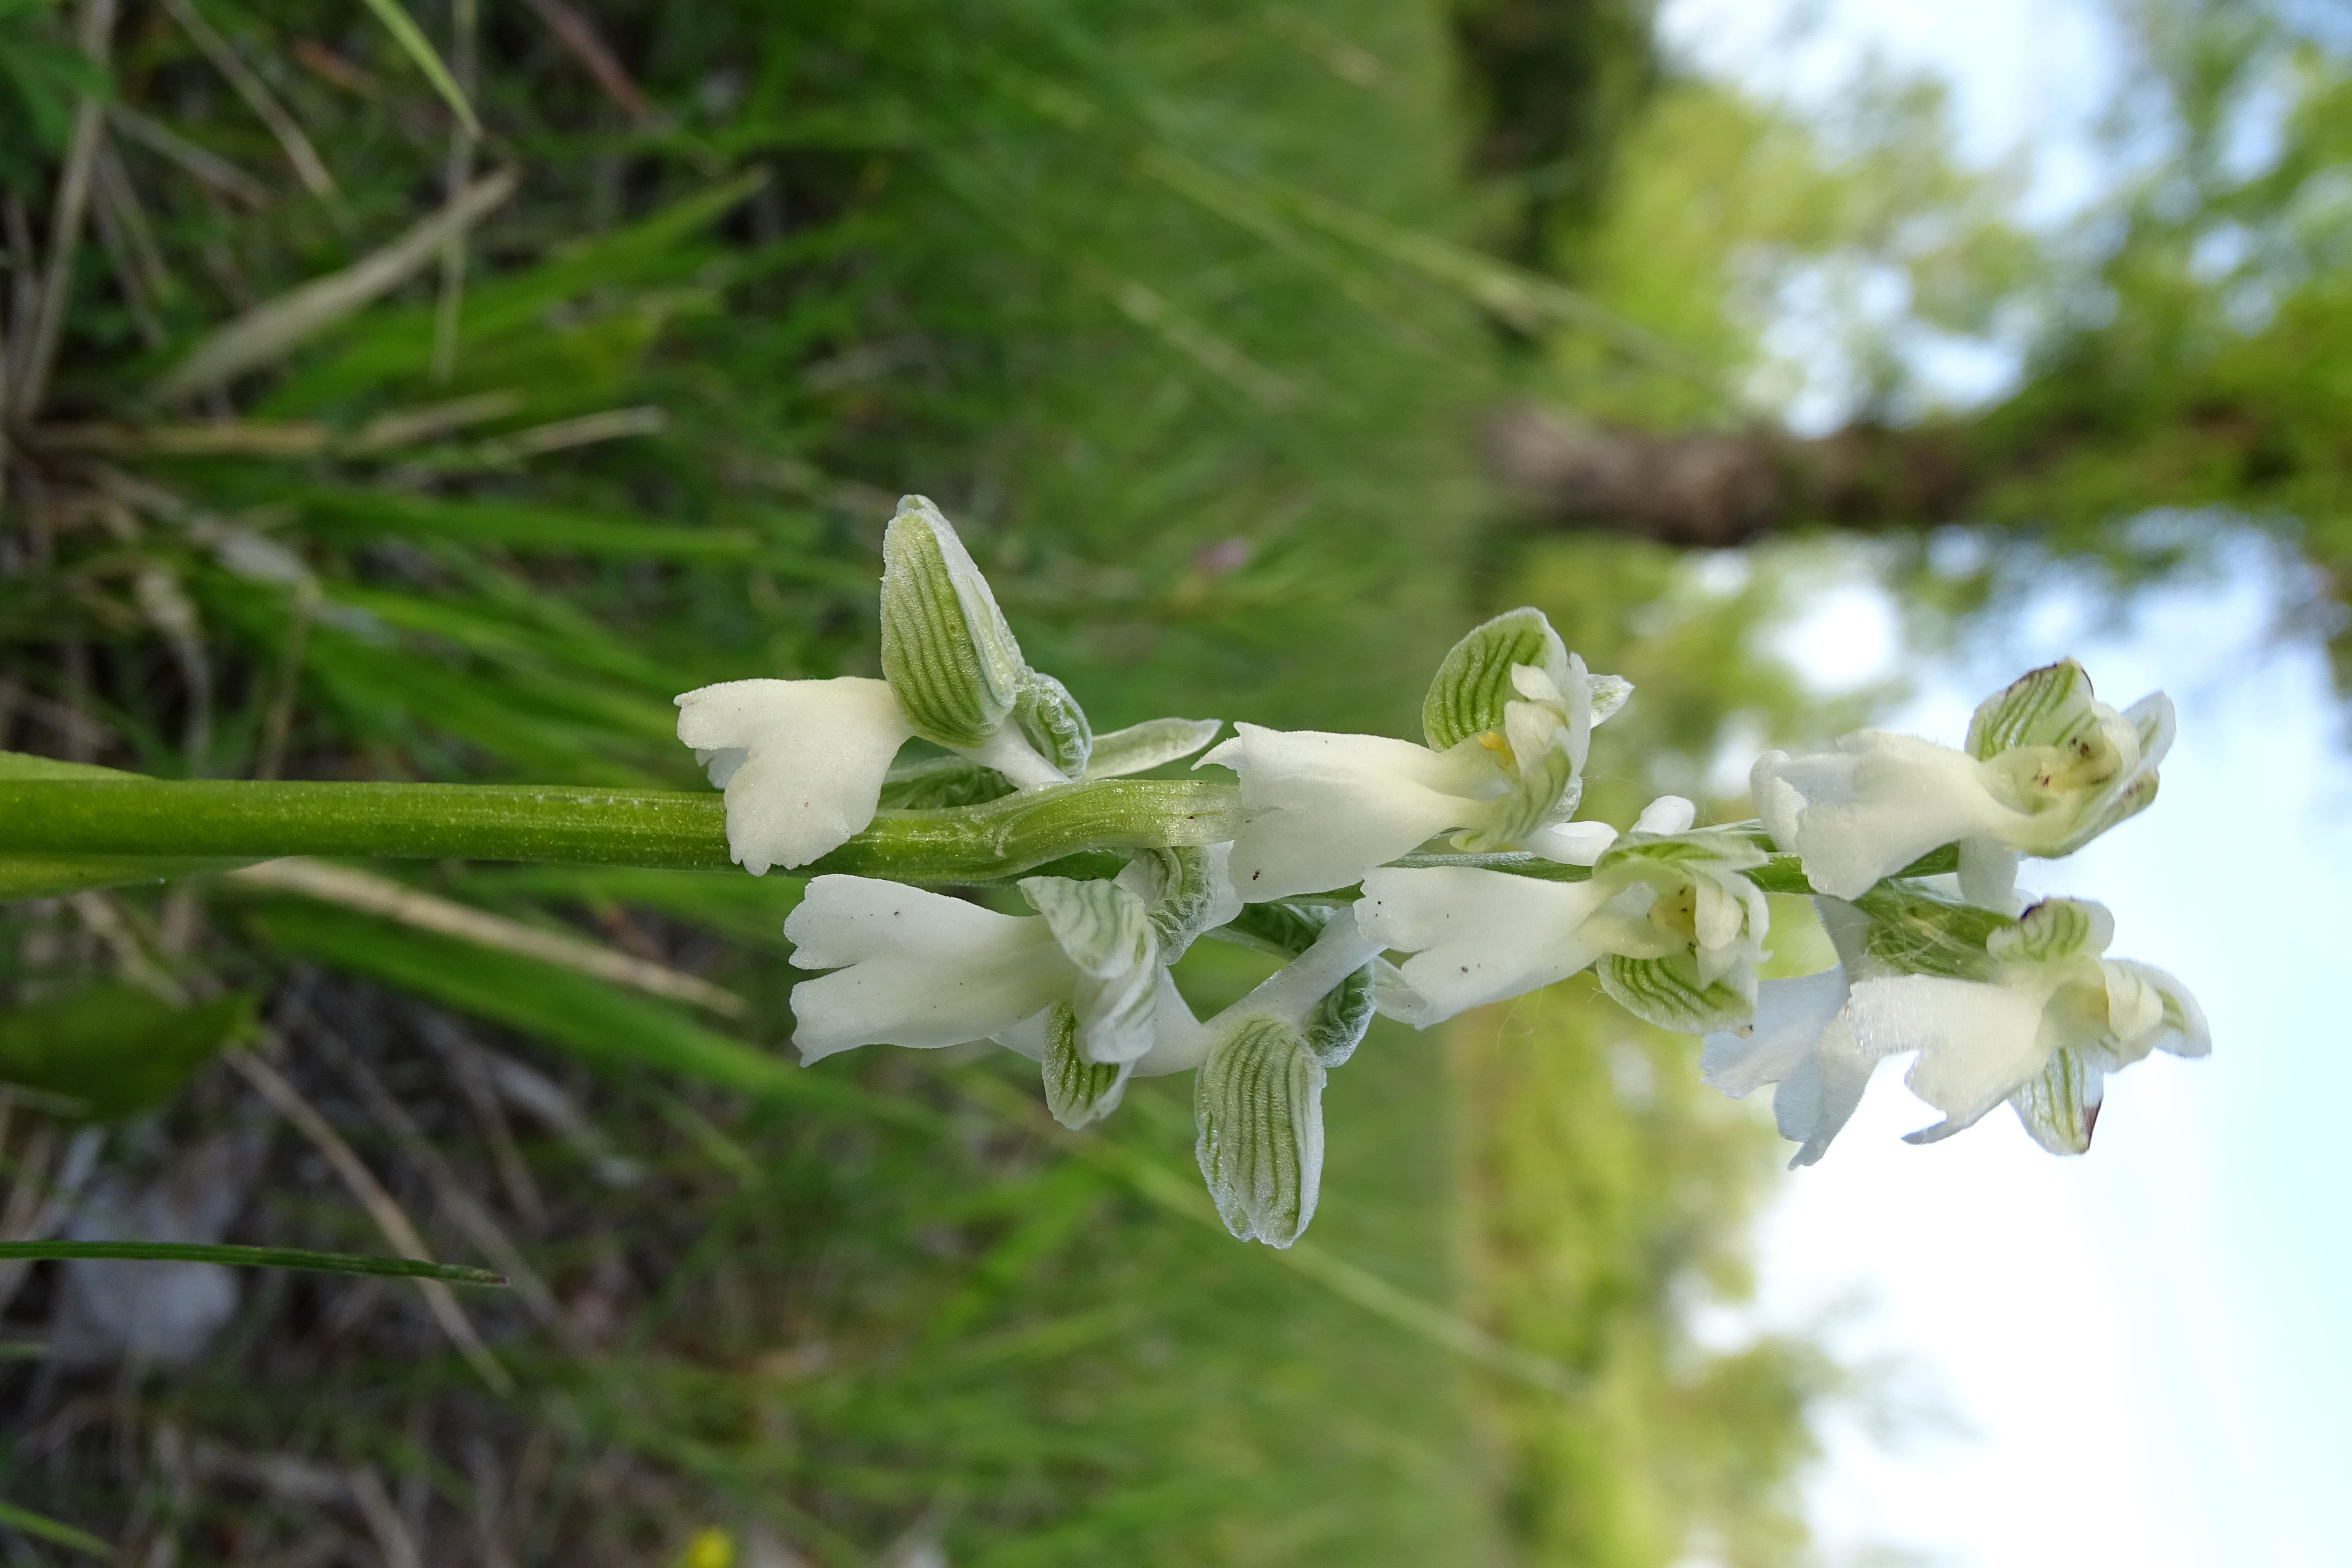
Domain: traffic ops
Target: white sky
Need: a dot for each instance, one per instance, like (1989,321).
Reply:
(2146,1344)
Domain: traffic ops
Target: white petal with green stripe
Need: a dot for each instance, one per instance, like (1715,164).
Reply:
(1257,1105)
(1668,992)
(1185,891)
(1078,1091)
(1473,687)
(947,651)
(2060,1105)
(1104,931)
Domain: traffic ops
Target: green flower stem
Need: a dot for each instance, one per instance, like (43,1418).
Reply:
(82,826)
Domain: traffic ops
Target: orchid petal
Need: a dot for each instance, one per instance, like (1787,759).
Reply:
(1803,1044)
(1978,1043)
(1479,936)
(802,761)
(1326,809)
(1572,843)
(2181,1031)
(1873,806)
(914,968)
(1666,815)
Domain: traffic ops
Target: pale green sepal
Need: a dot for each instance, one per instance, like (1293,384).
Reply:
(1609,694)
(1473,686)
(950,659)
(930,783)
(1184,891)
(1913,931)
(2052,705)
(1732,849)
(1282,930)
(1077,1091)
(1155,741)
(1257,1106)
(1102,928)
(1336,1026)
(1052,723)
(1666,992)
(2060,1106)
(2052,931)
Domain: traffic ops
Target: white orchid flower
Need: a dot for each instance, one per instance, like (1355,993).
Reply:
(1077,986)
(1668,917)
(2054,1019)
(2047,769)
(920,969)
(803,762)
(1509,723)
(1081,989)
(1802,1045)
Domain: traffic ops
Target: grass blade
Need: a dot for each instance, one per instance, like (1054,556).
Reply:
(420,48)
(270,330)
(599,1024)
(391,901)
(43,1528)
(254,1257)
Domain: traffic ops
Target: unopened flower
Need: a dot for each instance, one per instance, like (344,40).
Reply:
(1668,916)
(2047,769)
(2043,1033)
(1509,723)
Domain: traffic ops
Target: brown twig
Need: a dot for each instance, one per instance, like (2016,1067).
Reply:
(388,1215)
(449,1188)
(473,1078)
(258,97)
(38,355)
(579,34)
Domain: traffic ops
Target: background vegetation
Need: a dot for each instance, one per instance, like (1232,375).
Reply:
(344,442)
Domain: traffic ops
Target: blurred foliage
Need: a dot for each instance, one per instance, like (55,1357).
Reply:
(2197,363)
(1585,1254)
(1737,230)
(1554,88)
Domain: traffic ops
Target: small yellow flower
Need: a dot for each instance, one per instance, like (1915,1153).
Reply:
(710,1548)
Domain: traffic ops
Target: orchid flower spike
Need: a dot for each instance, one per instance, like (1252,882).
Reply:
(804,763)
(1669,919)
(2042,1030)
(1508,721)
(2048,768)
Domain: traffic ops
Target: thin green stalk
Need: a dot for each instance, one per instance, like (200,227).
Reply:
(47,821)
